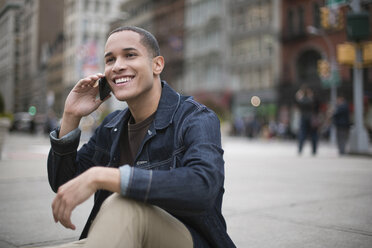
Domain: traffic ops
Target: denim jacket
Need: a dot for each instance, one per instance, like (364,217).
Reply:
(179,166)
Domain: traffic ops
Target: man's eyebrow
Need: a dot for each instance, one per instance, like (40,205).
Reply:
(124,49)
(108,54)
(129,49)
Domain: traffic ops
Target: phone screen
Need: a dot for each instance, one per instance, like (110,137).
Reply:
(104,88)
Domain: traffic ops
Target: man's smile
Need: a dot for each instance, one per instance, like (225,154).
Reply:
(123,80)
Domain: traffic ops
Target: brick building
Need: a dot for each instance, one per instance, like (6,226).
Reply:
(300,52)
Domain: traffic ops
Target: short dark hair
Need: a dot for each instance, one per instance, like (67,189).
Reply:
(147,39)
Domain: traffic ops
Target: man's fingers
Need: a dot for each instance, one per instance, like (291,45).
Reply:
(89,81)
(66,219)
(94,78)
(68,197)
(55,208)
(62,213)
(62,208)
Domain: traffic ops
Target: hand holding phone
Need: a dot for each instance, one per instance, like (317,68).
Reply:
(104,88)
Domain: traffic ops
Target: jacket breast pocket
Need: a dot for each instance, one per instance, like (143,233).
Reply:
(160,165)
(101,157)
(171,162)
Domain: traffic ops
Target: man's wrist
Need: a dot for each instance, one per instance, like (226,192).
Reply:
(69,123)
(104,178)
(94,178)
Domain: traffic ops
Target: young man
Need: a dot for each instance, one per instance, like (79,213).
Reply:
(161,157)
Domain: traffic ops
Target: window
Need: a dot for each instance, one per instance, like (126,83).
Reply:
(307,71)
(301,20)
(97,7)
(290,17)
(86,5)
(316,15)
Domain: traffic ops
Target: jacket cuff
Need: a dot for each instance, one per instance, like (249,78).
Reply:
(125,171)
(139,184)
(67,144)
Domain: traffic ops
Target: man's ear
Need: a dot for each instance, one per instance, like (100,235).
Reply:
(157,65)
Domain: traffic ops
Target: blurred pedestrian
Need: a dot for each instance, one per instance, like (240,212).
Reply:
(309,119)
(341,120)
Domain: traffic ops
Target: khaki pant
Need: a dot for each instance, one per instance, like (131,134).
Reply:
(123,222)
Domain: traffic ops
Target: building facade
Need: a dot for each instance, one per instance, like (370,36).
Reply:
(9,52)
(40,24)
(54,77)
(206,46)
(169,22)
(86,25)
(165,20)
(255,58)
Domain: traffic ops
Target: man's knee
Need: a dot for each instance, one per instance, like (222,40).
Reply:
(121,213)
(119,205)
(137,223)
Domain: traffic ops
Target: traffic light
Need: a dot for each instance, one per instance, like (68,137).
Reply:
(324,17)
(324,69)
(331,18)
(358,27)
(346,53)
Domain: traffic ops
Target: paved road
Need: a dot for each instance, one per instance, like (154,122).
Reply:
(274,198)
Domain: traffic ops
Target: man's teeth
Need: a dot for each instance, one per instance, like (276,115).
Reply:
(123,80)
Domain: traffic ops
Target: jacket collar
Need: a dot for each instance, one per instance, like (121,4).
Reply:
(168,104)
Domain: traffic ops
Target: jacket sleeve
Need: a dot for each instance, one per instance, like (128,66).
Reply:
(193,187)
(64,162)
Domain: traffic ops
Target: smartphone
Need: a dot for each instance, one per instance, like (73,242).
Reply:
(104,88)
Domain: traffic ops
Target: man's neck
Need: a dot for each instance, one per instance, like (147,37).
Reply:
(145,106)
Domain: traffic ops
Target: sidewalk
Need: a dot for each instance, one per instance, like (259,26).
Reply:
(25,199)
(273,198)
(276,198)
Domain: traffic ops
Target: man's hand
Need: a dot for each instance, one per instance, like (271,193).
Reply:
(70,195)
(79,189)
(81,101)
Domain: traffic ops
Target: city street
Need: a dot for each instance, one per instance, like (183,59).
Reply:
(273,198)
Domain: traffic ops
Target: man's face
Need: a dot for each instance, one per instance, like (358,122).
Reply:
(128,66)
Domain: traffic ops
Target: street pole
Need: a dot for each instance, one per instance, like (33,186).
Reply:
(359,141)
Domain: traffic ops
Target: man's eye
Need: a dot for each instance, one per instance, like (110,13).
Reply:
(108,60)
(129,55)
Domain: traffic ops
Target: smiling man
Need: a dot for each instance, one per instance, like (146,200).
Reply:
(156,168)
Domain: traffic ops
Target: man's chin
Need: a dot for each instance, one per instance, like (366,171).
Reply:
(122,97)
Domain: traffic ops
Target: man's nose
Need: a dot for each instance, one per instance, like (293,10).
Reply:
(119,65)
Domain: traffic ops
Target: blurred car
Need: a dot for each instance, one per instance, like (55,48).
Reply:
(22,121)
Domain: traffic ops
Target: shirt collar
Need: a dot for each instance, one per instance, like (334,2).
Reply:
(168,104)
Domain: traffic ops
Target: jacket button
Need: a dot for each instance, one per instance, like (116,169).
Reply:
(149,132)
(115,129)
